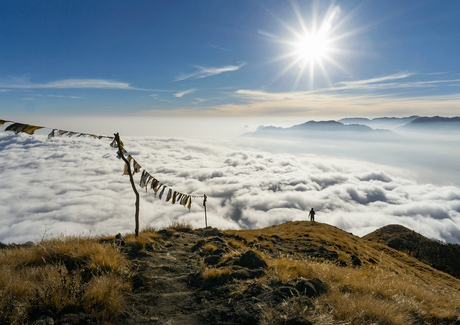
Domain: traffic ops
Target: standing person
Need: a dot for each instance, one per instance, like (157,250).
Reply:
(312,215)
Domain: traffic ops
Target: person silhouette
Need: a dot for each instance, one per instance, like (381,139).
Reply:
(312,215)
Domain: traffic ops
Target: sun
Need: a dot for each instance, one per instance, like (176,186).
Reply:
(312,45)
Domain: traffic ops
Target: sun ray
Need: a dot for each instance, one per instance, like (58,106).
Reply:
(280,74)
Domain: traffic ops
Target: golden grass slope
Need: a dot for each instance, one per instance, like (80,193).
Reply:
(396,289)
(62,275)
(91,275)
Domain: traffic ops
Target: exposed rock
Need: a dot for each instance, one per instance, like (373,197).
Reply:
(277,238)
(44,320)
(245,274)
(257,288)
(304,287)
(249,311)
(77,319)
(209,232)
(286,291)
(341,263)
(119,240)
(217,315)
(216,241)
(320,252)
(212,259)
(297,320)
(320,286)
(355,260)
(185,230)
(251,260)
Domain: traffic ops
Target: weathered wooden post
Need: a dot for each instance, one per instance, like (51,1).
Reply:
(205,216)
(122,156)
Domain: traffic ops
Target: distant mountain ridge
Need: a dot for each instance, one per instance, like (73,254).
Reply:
(435,123)
(381,127)
(318,128)
(380,122)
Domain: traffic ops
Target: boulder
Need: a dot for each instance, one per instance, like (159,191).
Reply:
(209,232)
(304,287)
(246,274)
(119,240)
(249,311)
(355,260)
(216,241)
(320,286)
(251,260)
(212,259)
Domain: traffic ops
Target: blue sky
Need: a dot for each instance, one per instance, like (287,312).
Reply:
(229,58)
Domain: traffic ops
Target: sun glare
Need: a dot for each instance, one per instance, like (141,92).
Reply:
(313,45)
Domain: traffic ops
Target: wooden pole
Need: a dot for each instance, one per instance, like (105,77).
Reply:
(205,216)
(120,151)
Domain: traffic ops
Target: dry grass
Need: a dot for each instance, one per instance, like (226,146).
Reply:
(179,224)
(214,273)
(372,295)
(209,247)
(397,290)
(61,275)
(236,244)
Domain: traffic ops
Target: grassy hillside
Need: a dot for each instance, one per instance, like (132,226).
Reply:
(439,255)
(132,280)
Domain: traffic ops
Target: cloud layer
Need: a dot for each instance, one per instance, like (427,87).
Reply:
(74,185)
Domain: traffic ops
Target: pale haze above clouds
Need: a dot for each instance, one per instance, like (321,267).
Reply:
(75,186)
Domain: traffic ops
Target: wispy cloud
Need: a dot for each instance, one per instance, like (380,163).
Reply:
(29,98)
(4,90)
(219,47)
(366,82)
(264,33)
(61,96)
(204,72)
(72,84)
(185,92)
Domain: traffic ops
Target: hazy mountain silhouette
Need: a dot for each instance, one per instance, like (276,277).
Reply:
(435,123)
(380,122)
(326,129)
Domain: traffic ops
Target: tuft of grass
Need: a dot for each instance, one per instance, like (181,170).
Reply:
(214,273)
(137,242)
(236,244)
(150,233)
(286,268)
(209,247)
(179,224)
(62,275)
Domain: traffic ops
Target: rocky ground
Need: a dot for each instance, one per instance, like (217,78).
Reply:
(207,276)
(170,286)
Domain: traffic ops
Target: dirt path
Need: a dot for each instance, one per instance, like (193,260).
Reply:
(161,292)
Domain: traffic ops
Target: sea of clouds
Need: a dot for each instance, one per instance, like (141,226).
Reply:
(75,186)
